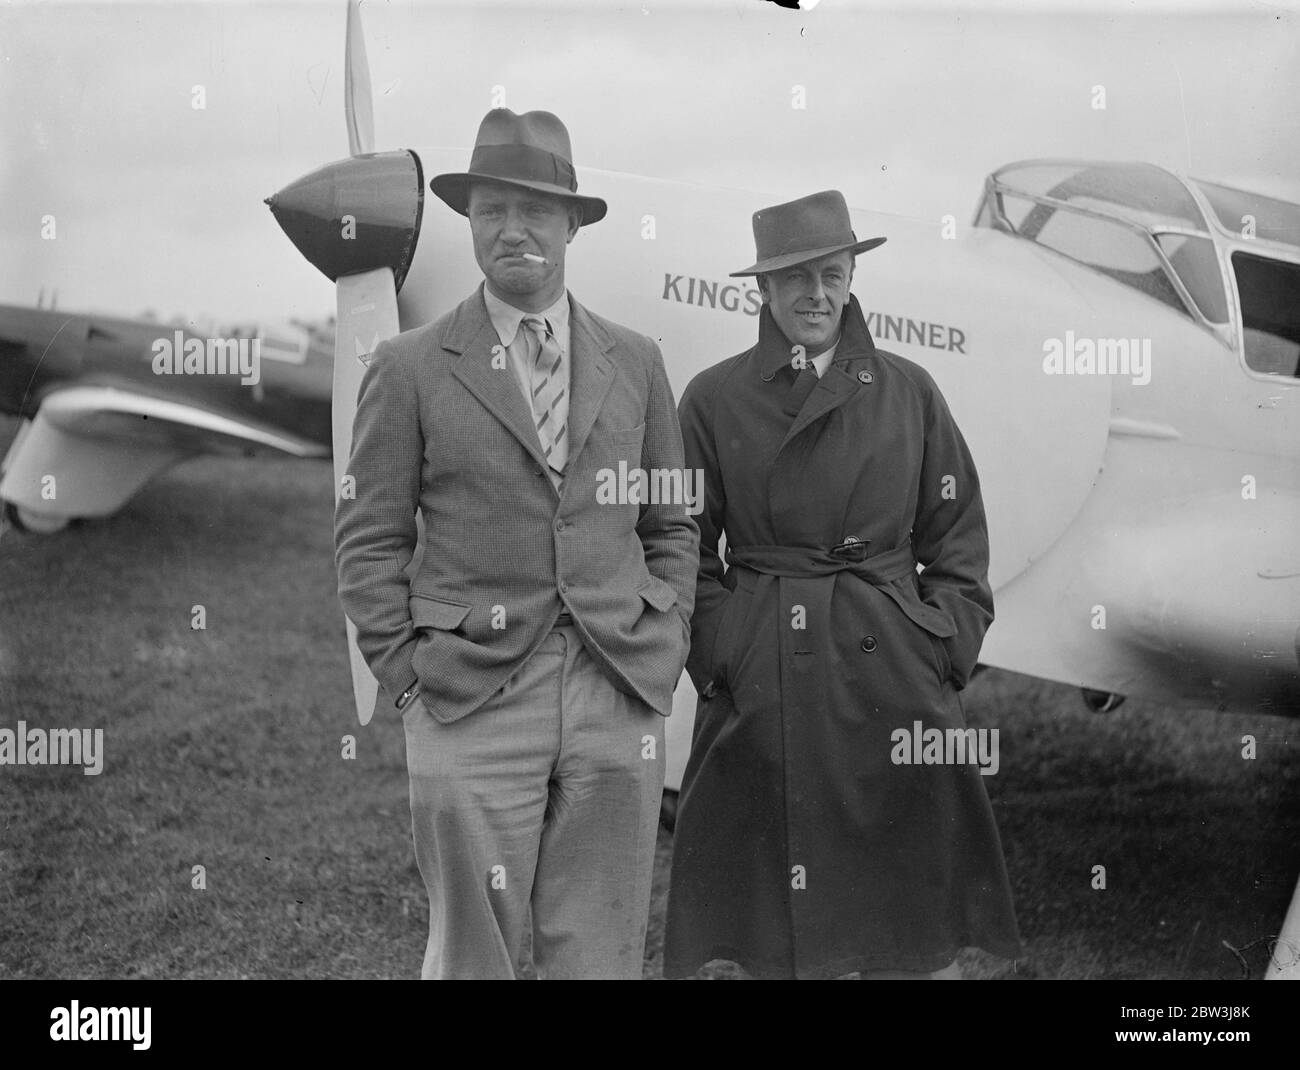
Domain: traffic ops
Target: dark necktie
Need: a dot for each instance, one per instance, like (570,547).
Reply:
(804,382)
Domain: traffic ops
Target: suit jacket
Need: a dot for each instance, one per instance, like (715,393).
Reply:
(442,427)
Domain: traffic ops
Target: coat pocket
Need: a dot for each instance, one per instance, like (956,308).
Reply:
(440,613)
(658,593)
(942,662)
(933,623)
(730,625)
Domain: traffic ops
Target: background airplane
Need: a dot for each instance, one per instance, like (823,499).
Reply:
(102,414)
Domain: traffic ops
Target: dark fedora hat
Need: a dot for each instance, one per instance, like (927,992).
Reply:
(531,151)
(803,230)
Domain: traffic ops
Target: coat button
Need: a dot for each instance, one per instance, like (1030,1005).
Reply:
(869,643)
(559,525)
(564,588)
(865,377)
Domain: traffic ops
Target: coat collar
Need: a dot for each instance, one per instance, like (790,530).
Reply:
(840,384)
(470,334)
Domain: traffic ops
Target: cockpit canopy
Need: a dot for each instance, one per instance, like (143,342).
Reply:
(1144,227)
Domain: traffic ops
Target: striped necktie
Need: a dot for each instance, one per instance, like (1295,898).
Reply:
(550,394)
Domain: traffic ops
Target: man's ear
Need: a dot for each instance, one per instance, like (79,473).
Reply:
(575,220)
(762,285)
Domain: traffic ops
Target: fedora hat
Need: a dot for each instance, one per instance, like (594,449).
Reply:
(530,151)
(803,230)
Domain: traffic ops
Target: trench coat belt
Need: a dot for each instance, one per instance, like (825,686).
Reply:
(880,570)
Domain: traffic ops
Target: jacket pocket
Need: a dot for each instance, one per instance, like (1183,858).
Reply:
(430,612)
(628,436)
(658,593)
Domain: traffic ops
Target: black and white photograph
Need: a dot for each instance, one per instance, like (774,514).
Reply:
(717,490)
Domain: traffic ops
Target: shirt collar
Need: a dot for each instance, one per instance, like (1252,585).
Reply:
(822,360)
(506,318)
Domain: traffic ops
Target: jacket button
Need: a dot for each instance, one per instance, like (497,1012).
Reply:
(869,643)
(564,588)
(710,689)
(559,525)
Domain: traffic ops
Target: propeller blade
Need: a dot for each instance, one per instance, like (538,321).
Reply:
(358,107)
(358,220)
(367,314)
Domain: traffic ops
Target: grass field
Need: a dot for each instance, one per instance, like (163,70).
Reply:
(223,749)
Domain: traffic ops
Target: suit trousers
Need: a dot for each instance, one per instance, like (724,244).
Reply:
(545,798)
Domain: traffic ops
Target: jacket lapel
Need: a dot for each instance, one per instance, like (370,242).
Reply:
(591,374)
(473,337)
(838,385)
(832,390)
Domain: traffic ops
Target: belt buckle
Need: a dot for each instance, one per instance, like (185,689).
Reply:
(851,549)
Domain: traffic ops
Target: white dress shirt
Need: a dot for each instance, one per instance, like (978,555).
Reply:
(822,361)
(506,320)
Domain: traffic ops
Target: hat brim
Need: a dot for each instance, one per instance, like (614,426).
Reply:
(785,260)
(453,191)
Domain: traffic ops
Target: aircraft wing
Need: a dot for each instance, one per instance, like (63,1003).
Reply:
(92,446)
(112,412)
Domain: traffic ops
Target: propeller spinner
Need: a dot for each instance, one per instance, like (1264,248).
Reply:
(356,214)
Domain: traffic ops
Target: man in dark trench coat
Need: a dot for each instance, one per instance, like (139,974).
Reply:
(810,841)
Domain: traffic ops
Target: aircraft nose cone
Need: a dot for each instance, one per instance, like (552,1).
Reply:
(355,215)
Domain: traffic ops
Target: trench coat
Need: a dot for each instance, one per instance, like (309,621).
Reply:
(802,848)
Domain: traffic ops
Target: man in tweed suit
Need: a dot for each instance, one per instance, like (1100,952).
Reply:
(535,649)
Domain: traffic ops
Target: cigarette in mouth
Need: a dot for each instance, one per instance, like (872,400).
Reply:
(534,258)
